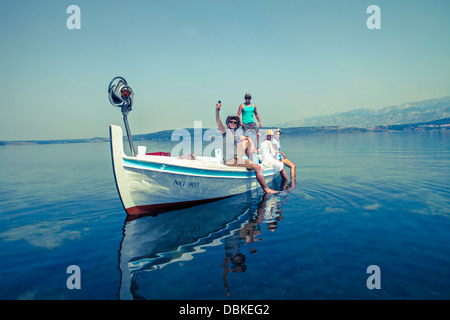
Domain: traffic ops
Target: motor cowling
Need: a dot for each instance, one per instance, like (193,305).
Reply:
(120,94)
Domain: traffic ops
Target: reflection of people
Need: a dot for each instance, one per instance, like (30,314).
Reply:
(286,161)
(272,213)
(247,110)
(268,211)
(268,155)
(238,265)
(232,244)
(233,150)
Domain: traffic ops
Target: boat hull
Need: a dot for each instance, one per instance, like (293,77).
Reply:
(156,183)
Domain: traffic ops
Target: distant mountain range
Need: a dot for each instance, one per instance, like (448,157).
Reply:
(435,125)
(433,114)
(409,112)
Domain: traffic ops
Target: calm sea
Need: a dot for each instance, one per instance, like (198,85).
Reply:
(360,200)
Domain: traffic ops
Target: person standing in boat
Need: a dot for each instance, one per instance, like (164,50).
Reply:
(234,148)
(247,109)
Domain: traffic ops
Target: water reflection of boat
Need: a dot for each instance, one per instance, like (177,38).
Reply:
(152,242)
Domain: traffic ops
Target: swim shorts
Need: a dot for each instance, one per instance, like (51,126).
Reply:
(245,163)
(250,127)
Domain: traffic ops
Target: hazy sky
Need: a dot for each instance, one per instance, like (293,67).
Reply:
(297,58)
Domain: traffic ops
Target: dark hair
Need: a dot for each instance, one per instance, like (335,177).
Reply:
(234,118)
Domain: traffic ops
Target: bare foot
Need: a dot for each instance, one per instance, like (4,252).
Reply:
(270,191)
(293,182)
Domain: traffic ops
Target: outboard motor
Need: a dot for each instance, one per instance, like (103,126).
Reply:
(121,95)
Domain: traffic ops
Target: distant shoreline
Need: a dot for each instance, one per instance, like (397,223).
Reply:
(436,125)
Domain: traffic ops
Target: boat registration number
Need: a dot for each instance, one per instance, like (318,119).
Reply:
(189,184)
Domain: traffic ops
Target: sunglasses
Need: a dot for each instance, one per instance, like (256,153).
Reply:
(232,121)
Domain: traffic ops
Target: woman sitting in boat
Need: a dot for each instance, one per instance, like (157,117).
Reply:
(234,148)
(282,156)
(268,155)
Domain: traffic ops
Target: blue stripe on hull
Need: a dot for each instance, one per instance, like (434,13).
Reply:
(191,171)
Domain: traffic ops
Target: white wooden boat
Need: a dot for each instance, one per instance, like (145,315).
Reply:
(148,183)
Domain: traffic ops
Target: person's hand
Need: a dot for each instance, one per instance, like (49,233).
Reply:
(260,124)
(218,105)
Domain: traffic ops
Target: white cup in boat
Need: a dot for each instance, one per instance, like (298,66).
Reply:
(141,151)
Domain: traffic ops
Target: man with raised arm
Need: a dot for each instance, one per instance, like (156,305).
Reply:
(234,148)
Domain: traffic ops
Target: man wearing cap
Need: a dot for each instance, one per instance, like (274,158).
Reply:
(247,109)
(233,149)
